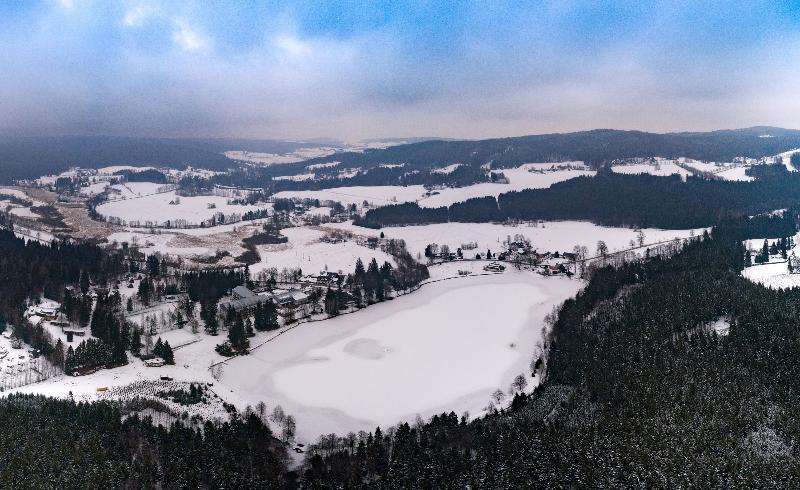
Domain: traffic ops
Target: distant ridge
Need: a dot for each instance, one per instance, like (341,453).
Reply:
(29,157)
(594,146)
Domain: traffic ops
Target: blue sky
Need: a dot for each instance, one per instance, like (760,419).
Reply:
(370,69)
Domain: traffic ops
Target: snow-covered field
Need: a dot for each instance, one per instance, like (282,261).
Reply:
(375,195)
(296,178)
(519,178)
(305,250)
(736,173)
(267,159)
(144,206)
(773,275)
(446,170)
(445,347)
(546,236)
(662,169)
(94,189)
(5,191)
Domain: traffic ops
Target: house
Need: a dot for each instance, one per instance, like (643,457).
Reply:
(243,300)
(292,304)
(241,292)
(328,278)
(46,309)
(294,297)
(154,362)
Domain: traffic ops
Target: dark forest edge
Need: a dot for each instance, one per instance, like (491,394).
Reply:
(615,200)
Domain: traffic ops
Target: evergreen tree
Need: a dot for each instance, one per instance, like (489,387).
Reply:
(331,303)
(136,342)
(166,353)
(84,282)
(237,335)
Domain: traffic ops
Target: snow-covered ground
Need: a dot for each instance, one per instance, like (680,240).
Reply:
(375,195)
(662,169)
(736,173)
(546,236)
(519,178)
(5,191)
(144,205)
(267,159)
(305,250)
(786,159)
(94,189)
(446,170)
(773,275)
(445,347)
(296,178)
(24,212)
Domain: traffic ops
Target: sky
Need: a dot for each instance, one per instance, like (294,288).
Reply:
(371,69)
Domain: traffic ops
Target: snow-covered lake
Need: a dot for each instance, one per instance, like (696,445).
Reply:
(445,347)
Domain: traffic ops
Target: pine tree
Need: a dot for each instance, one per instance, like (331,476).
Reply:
(158,349)
(166,353)
(360,273)
(237,335)
(136,341)
(84,282)
(271,315)
(331,303)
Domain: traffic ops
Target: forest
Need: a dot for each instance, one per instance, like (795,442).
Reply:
(614,200)
(640,390)
(50,443)
(593,147)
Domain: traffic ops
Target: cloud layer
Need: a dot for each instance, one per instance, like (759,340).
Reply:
(367,69)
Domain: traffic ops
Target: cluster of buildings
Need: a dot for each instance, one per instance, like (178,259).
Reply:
(292,303)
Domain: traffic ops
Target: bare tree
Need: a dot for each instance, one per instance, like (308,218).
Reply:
(289,428)
(278,415)
(499,396)
(217,372)
(519,383)
(602,248)
(261,410)
(640,238)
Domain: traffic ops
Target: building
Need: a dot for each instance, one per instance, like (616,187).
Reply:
(154,362)
(47,309)
(243,300)
(328,278)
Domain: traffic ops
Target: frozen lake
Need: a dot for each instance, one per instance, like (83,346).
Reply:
(445,347)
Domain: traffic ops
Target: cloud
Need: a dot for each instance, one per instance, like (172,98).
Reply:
(139,13)
(356,71)
(187,37)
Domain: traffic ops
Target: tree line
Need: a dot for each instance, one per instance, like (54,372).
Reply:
(614,200)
